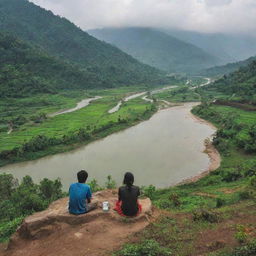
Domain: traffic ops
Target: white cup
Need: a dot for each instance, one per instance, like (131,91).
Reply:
(105,206)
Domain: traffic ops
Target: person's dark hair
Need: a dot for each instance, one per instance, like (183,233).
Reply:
(82,176)
(128,180)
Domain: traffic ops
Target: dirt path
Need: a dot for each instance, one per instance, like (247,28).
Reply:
(96,238)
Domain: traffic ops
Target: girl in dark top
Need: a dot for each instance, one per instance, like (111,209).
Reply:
(128,194)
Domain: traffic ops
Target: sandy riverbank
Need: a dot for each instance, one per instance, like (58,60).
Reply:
(210,150)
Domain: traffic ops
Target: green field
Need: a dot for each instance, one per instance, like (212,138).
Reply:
(95,113)
(180,94)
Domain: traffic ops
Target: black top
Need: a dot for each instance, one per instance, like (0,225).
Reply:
(129,199)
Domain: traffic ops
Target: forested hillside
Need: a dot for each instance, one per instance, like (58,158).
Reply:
(59,37)
(26,70)
(228,68)
(239,85)
(157,49)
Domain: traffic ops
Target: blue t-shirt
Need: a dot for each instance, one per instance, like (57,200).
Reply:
(78,193)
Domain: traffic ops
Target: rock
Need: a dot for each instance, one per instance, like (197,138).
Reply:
(46,222)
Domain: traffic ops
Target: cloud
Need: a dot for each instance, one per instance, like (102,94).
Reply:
(217,2)
(232,16)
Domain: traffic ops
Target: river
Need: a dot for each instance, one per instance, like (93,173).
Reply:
(137,95)
(81,104)
(161,151)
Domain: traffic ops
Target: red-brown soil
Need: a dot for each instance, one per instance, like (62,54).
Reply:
(56,232)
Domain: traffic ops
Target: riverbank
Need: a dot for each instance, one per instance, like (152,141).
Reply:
(210,150)
(215,162)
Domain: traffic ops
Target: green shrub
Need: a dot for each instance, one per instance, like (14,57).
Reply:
(243,195)
(18,201)
(7,185)
(230,174)
(241,235)
(110,184)
(95,186)
(8,210)
(8,228)
(175,199)
(146,248)
(248,168)
(164,203)
(50,189)
(247,250)
(206,215)
(220,202)
(211,179)
(253,182)
(149,191)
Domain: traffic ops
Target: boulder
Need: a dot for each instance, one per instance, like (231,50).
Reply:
(44,223)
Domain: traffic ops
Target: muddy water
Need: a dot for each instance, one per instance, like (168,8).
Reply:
(161,151)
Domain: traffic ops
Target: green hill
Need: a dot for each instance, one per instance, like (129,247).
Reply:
(240,85)
(60,38)
(26,70)
(228,68)
(157,49)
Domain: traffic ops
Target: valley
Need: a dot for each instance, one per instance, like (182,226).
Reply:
(168,94)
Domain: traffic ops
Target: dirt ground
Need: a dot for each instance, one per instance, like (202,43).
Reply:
(55,232)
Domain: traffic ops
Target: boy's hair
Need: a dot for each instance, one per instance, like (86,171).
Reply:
(82,176)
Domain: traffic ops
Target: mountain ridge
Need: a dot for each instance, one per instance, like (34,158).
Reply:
(157,49)
(62,39)
(227,47)
(228,68)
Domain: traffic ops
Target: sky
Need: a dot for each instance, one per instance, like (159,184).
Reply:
(211,16)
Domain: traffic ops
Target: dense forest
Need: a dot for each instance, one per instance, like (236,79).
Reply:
(60,38)
(157,49)
(27,70)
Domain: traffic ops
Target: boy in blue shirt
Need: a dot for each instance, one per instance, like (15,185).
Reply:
(80,195)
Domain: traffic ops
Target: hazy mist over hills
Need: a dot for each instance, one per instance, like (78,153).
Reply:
(228,68)
(204,16)
(157,49)
(227,47)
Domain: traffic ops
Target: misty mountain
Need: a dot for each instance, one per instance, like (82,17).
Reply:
(226,69)
(228,48)
(157,49)
(59,37)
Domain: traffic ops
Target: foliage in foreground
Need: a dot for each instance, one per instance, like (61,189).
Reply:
(19,200)
(146,248)
(236,127)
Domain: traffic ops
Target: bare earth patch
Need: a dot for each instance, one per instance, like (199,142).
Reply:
(56,232)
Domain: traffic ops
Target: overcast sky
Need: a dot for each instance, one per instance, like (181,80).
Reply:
(232,16)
